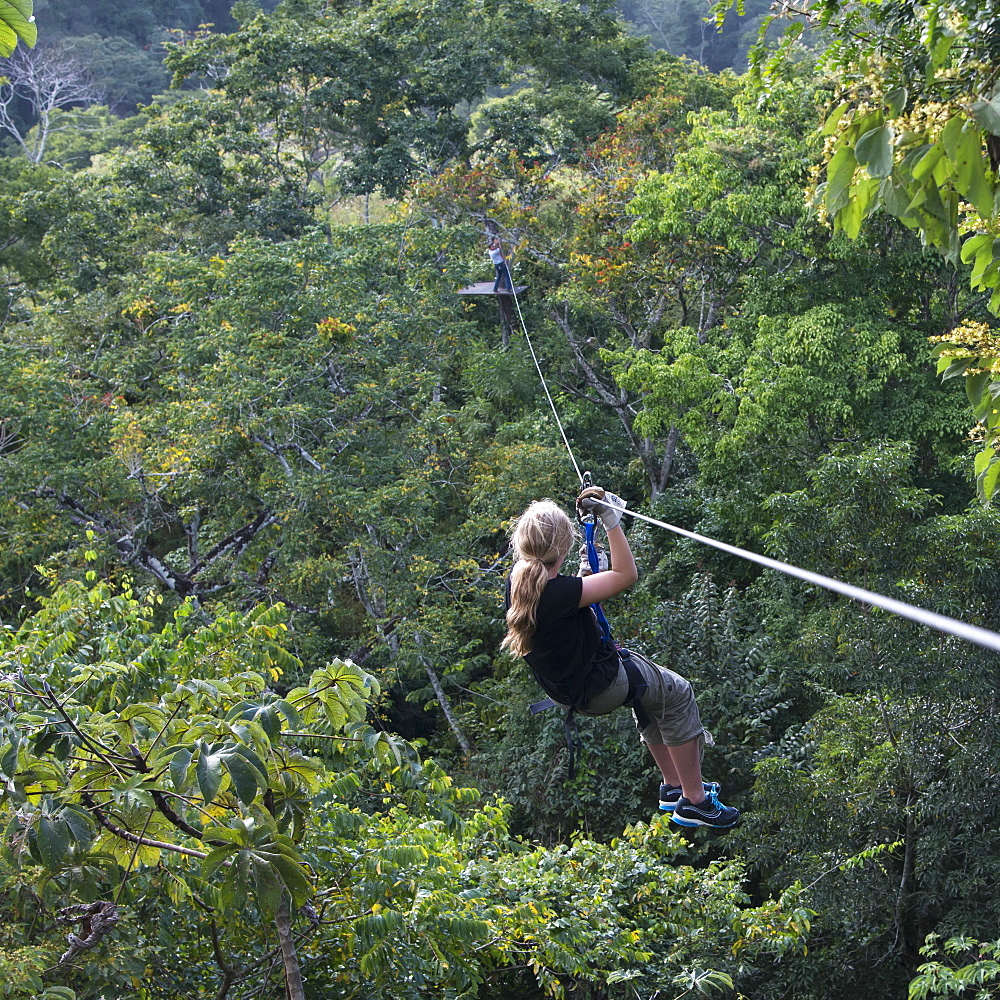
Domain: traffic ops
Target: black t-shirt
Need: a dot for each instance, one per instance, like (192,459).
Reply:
(567,656)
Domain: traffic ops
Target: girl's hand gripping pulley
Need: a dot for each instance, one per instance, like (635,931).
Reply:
(589,503)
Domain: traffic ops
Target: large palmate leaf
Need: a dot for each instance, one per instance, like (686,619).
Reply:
(16,23)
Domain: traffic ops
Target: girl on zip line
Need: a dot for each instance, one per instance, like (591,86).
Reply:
(550,622)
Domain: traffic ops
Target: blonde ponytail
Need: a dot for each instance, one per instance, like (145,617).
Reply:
(542,536)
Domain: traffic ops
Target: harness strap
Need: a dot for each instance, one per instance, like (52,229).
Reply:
(595,567)
(637,684)
(572,742)
(541,706)
(637,687)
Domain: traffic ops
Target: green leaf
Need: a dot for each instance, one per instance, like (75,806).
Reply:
(970,172)
(839,174)
(972,246)
(266,716)
(179,768)
(894,197)
(16,22)
(52,837)
(988,483)
(288,711)
(987,115)
(939,53)
(234,886)
(267,884)
(989,277)
(850,217)
(217,857)
(270,721)
(294,877)
(244,777)
(833,118)
(8,39)
(154,714)
(344,785)
(862,200)
(895,100)
(10,836)
(926,163)
(935,212)
(987,473)
(255,761)
(874,151)
(951,135)
(8,763)
(78,823)
(953,367)
(208,771)
(974,386)
(985,257)
(237,837)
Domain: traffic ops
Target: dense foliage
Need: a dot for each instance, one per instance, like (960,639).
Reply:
(913,129)
(258,462)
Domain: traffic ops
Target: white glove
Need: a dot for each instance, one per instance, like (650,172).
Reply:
(591,499)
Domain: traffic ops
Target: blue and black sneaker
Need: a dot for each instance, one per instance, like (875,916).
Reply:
(711,813)
(670,795)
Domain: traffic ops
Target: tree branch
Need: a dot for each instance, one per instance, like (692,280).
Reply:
(136,553)
(228,972)
(134,838)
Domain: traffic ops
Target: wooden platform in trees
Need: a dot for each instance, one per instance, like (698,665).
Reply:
(503,298)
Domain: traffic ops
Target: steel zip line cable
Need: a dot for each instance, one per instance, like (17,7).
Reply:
(941,623)
(538,367)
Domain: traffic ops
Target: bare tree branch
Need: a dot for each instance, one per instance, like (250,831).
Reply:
(134,838)
(47,79)
(137,553)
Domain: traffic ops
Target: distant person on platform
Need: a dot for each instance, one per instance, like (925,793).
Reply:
(500,264)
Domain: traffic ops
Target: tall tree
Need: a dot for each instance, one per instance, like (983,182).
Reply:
(45,81)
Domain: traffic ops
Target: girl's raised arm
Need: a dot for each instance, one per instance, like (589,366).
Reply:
(623,573)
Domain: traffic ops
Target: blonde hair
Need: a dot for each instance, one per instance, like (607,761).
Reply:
(542,536)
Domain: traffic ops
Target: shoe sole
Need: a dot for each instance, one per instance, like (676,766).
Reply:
(694,823)
(668,807)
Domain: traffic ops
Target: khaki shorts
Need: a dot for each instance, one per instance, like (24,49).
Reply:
(612,697)
(669,702)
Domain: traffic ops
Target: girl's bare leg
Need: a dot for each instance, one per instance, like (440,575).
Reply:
(681,766)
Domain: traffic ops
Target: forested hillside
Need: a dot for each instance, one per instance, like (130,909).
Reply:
(259,463)
(111,54)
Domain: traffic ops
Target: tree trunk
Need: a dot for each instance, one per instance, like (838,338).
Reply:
(446,708)
(294,990)
(909,948)
(667,465)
